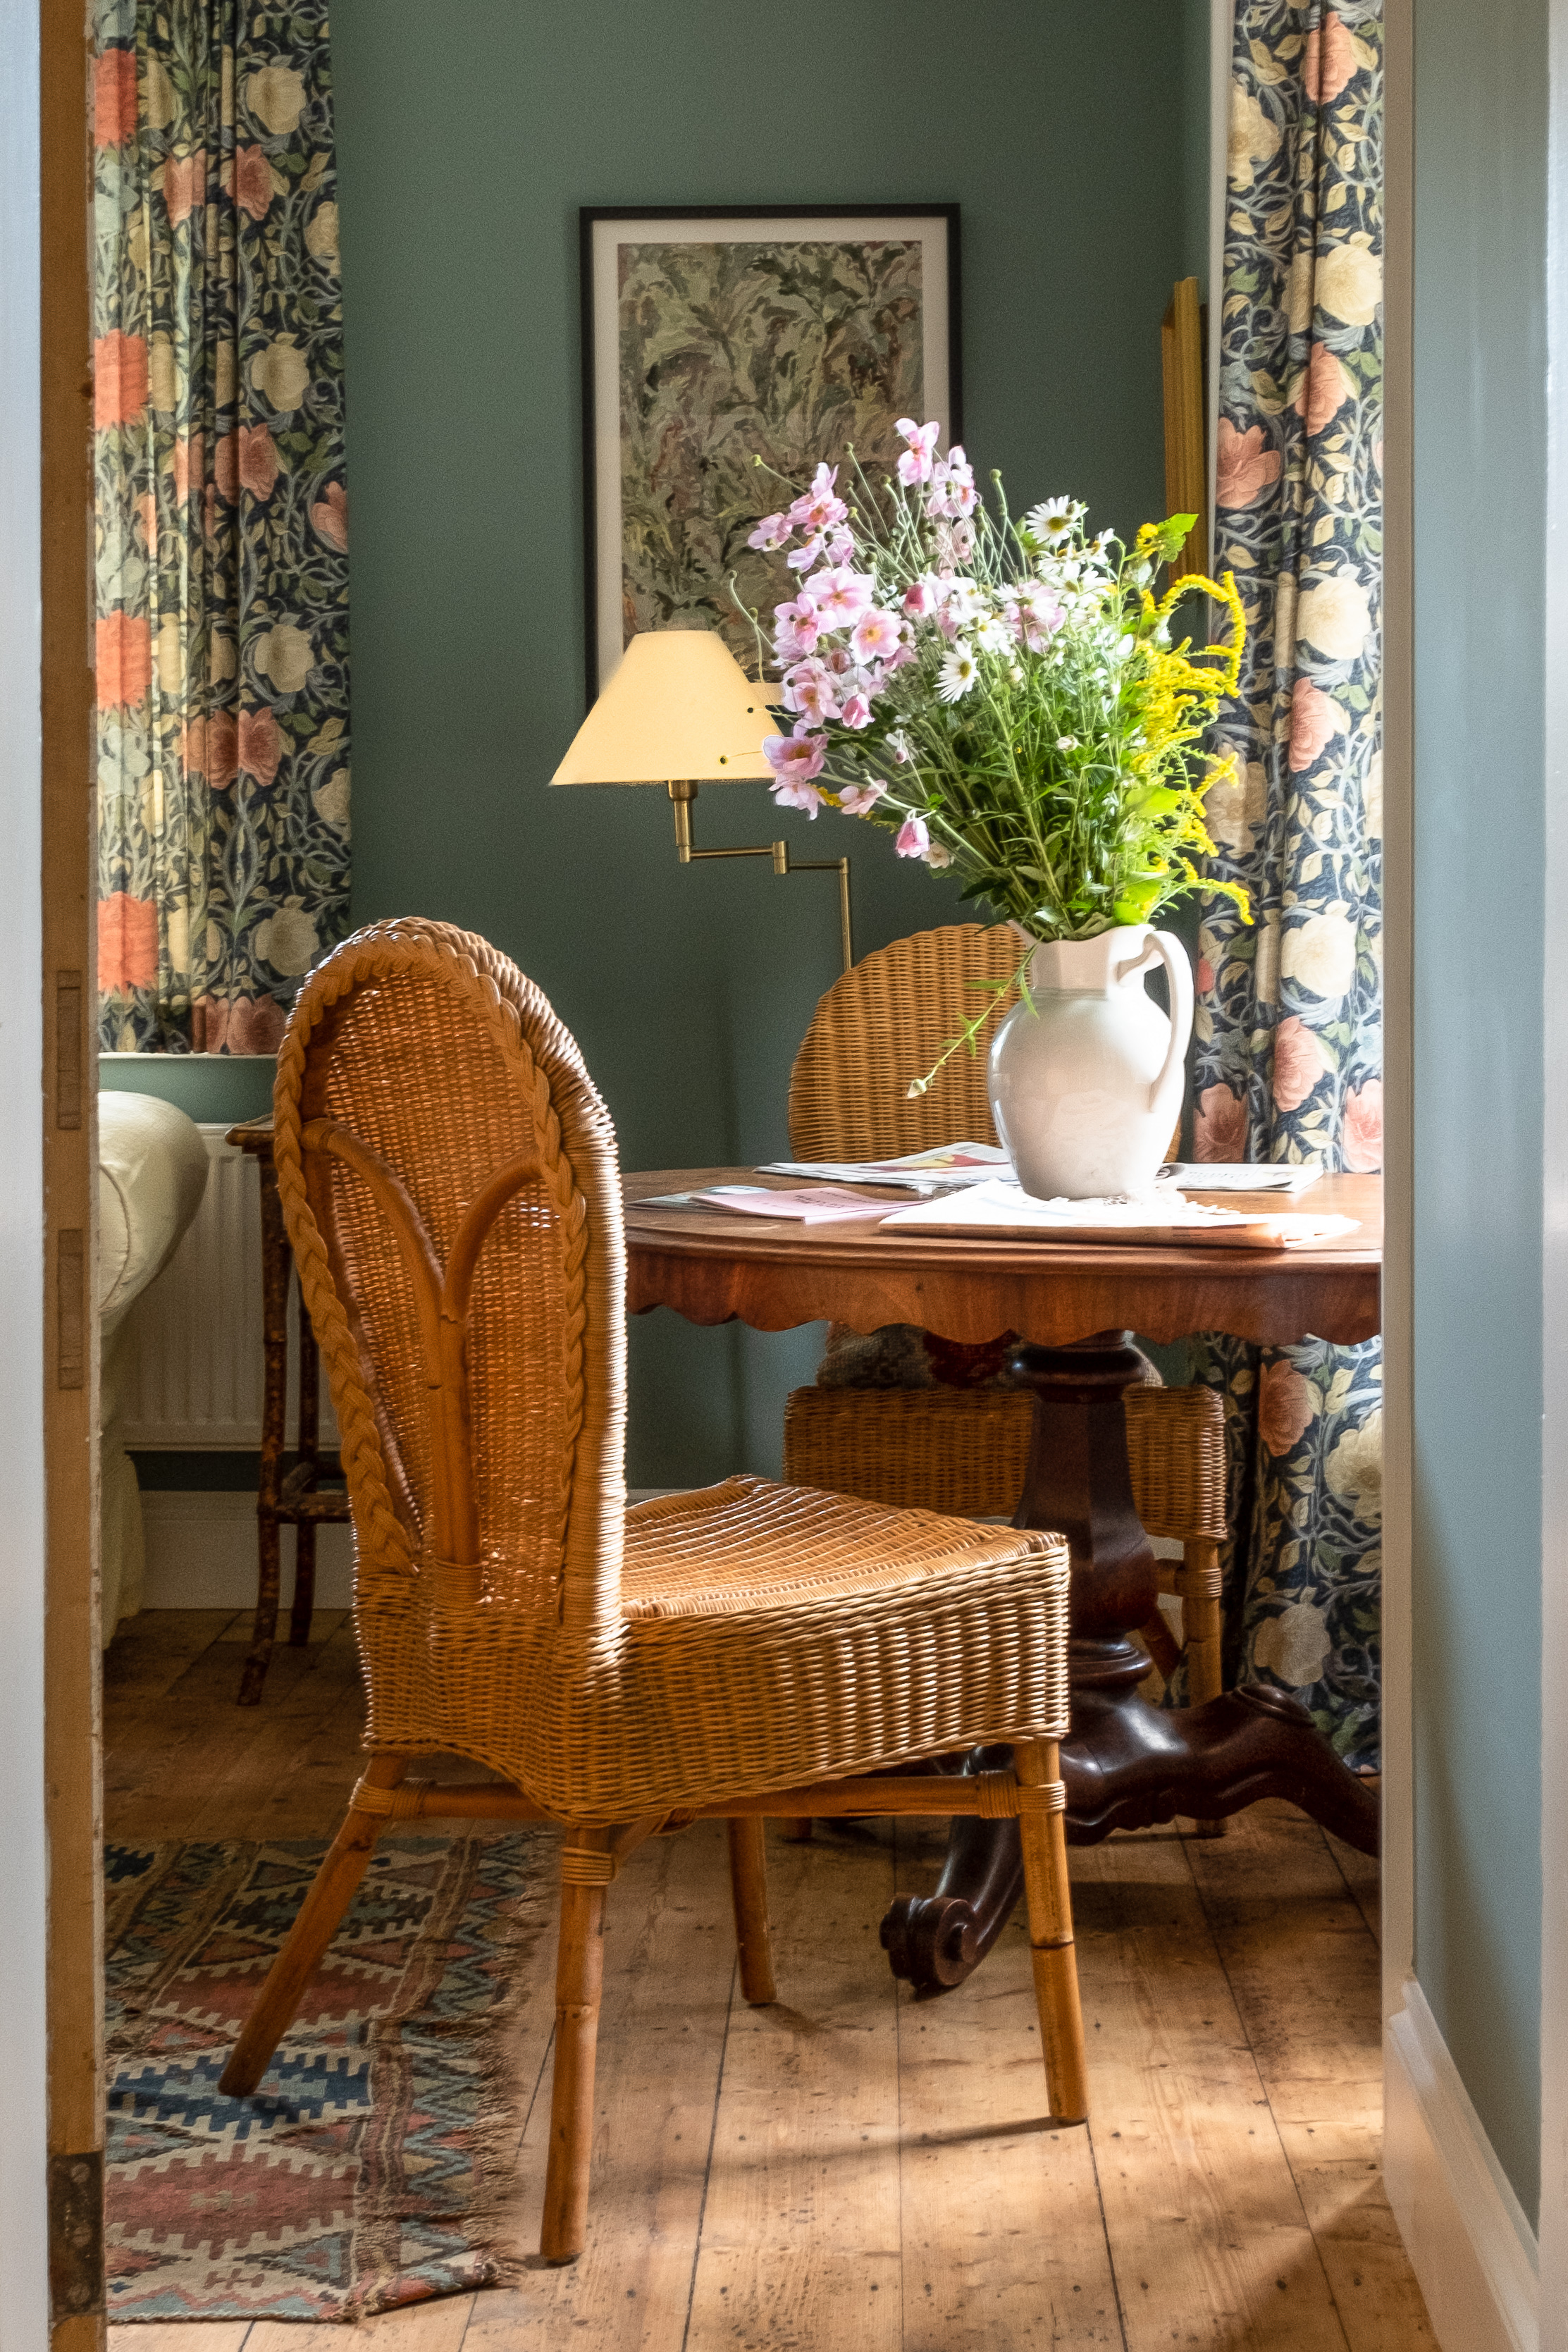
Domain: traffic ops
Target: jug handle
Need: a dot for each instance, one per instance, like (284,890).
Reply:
(1165,1095)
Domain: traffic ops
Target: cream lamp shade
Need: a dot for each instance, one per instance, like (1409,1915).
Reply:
(680,706)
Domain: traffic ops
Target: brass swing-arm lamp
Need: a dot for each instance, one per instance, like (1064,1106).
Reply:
(679,710)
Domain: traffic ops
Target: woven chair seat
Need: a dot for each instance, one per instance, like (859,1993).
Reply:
(769,1636)
(777,1635)
(748,1544)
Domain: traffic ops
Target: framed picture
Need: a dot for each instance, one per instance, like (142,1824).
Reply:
(713,338)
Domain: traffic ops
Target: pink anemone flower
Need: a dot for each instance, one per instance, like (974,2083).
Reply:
(876,634)
(800,795)
(914,465)
(771,534)
(858,799)
(913,840)
(795,759)
(819,509)
(809,689)
(842,595)
(856,712)
(798,625)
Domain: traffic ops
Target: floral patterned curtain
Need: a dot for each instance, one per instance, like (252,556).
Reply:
(1289,1022)
(221,521)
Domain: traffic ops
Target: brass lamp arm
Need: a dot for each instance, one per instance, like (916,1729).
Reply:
(683,792)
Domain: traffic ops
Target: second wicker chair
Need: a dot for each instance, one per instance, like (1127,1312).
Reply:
(955,1449)
(449,1182)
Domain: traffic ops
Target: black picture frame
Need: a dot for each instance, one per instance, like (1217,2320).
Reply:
(942,351)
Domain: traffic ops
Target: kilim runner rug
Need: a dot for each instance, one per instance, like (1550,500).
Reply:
(374,2166)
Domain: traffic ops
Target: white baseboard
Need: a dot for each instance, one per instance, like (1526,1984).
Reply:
(1469,2244)
(200,1554)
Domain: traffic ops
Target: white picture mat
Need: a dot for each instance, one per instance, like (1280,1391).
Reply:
(930,231)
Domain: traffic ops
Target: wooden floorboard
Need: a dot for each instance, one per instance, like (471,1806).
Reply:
(1003,2238)
(851,2170)
(1209,2238)
(669,1967)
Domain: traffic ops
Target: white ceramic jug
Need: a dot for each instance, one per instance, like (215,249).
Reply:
(1085,1088)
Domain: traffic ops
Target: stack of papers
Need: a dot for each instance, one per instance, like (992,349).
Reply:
(942,1168)
(806,1204)
(1006,1208)
(1237,1176)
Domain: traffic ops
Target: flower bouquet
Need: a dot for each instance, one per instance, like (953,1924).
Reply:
(1005,697)
(1009,700)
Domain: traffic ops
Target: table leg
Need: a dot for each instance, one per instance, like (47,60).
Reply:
(277,1267)
(1125,1764)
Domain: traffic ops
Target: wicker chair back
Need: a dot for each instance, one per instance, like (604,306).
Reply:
(883,1025)
(449,1177)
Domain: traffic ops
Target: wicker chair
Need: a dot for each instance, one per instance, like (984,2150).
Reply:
(963,1450)
(449,1179)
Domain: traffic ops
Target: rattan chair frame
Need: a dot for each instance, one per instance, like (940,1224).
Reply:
(964,1450)
(449,1180)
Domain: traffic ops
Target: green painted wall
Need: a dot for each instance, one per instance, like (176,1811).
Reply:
(204,1086)
(1480,464)
(467,138)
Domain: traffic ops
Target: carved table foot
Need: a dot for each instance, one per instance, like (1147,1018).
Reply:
(1125,1764)
(936,1940)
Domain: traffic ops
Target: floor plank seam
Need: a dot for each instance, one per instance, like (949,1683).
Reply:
(708,2167)
(1105,2234)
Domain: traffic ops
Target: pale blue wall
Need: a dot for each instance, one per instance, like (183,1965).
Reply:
(1480,374)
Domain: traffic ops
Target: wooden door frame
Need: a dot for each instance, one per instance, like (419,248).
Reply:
(24,2111)
(72,1733)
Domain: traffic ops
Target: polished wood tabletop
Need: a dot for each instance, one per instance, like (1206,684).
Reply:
(712,1265)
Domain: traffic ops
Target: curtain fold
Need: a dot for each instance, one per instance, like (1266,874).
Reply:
(221,521)
(1289,1023)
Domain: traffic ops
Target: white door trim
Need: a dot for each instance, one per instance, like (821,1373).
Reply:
(1471,2245)
(1398,958)
(1553,2231)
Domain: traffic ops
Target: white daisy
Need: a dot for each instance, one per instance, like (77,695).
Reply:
(958,674)
(1052,520)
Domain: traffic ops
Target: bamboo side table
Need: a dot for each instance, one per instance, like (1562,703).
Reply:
(297,1498)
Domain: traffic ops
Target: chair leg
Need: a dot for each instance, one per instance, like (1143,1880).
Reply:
(1043,1837)
(579,1982)
(1198,1581)
(330,1894)
(748,1893)
(798,1830)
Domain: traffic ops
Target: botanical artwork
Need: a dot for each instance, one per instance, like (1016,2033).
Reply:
(734,350)
(1290,1014)
(221,521)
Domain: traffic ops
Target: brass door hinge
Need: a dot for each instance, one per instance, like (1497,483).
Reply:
(68,1049)
(76,2234)
(70,1309)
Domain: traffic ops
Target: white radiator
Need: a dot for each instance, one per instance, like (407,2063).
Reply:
(194,1378)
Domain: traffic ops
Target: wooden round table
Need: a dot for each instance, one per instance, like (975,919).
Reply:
(1125,1764)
